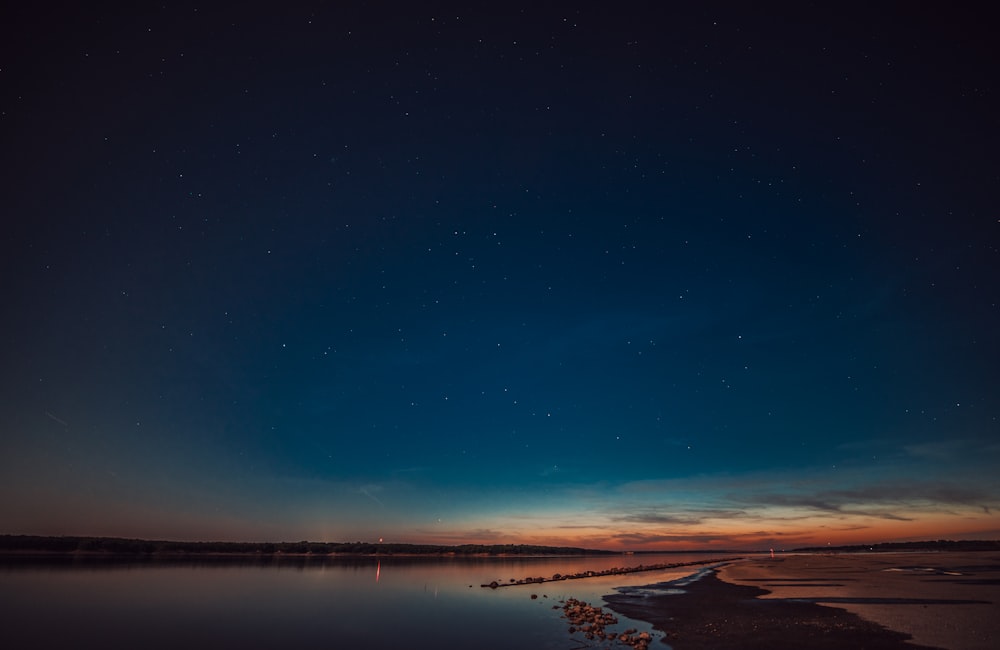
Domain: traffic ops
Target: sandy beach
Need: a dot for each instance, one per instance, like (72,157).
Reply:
(878,600)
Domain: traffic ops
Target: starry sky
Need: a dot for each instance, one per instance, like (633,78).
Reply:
(619,275)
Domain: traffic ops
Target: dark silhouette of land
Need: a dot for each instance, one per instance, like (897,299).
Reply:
(39,544)
(35,545)
(896,547)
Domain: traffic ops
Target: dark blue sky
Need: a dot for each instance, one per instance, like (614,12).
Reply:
(619,276)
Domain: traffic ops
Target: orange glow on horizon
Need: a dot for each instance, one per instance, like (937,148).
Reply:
(760,534)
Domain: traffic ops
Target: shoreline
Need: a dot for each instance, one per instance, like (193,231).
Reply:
(889,601)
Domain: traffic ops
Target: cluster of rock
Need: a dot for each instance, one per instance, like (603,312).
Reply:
(593,621)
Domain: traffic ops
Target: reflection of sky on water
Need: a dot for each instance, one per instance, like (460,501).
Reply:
(373,603)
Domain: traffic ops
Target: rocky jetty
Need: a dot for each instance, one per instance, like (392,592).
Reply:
(614,571)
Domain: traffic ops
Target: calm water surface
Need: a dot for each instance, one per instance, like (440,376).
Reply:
(358,603)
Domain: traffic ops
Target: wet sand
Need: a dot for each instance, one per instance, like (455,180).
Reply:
(880,601)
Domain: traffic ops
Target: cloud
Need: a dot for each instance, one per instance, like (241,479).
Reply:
(925,492)
(825,504)
(944,451)
(952,450)
(889,494)
(466,536)
(877,498)
(683,518)
(367,490)
(659,518)
(646,539)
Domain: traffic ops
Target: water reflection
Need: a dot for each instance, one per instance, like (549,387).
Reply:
(253,603)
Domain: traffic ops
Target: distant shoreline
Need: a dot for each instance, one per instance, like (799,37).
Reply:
(77,546)
(96,547)
(4,553)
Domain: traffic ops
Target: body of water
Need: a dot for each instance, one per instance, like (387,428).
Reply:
(343,603)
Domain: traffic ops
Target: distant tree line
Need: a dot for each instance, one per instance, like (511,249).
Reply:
(938,545)
(121,546)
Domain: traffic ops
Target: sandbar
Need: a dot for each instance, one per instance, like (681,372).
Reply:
(901,601)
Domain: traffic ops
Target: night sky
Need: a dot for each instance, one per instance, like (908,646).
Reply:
(617,275)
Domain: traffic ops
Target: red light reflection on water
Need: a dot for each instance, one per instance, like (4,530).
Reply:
(378,570)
